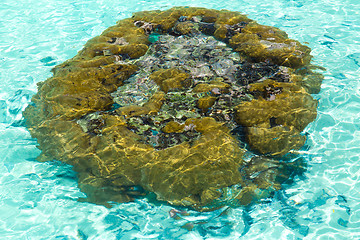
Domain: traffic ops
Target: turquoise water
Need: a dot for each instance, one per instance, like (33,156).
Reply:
(39,200)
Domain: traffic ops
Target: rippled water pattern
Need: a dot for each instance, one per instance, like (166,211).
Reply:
(39,200)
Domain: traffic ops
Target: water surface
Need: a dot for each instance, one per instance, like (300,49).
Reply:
(39,200)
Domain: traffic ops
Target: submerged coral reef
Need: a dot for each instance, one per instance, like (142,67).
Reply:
(197,107)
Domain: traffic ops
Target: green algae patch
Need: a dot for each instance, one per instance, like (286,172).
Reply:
(172,103)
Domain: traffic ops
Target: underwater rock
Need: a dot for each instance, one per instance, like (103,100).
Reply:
(171,103)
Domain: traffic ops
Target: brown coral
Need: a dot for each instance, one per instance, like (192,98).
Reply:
(72,117)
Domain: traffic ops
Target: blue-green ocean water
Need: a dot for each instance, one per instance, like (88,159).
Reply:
(39,200)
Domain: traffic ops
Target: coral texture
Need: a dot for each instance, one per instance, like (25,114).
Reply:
(174,103)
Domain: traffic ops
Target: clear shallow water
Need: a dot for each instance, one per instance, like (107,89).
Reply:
(38,200)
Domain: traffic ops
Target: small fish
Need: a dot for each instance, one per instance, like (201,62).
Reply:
(81,235)
(174,213)
(188,226)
